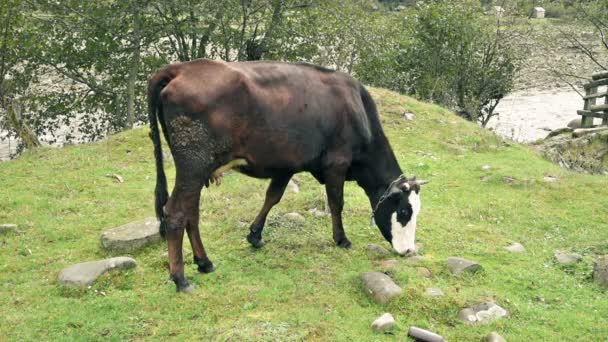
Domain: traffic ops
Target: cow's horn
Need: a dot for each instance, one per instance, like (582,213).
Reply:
(422,182)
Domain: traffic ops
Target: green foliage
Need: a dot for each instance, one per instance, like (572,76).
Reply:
(300,286)
(450,56)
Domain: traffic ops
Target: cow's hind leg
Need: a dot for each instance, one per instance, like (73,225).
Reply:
(180,212)
(200,255)
(334,186)
(273,196)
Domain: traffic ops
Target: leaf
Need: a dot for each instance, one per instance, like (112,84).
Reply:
(116,176)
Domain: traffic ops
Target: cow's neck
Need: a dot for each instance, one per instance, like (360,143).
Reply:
(379,171)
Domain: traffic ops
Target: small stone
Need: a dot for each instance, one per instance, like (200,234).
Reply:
(550,179)
(409,116)
(434,292)
(380,287)
(295,217)
(459,265)
(390,264)
(482,313)
(415,259)
(8,227)
(567,258)
(600,270)
(486,167)
(384,323)
(516,247)
(317,213)
(425,272)
(377,250)
(293,186)
(494,337)
(86,273)
(131,236)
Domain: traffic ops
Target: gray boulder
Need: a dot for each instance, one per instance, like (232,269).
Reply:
(8,227)
(494,337)
(86,273)
(575,123)
(380,287)
(460,265)
(600,270)
(131,236)
(384,323)
(482,313)
(567,258)
(416,259)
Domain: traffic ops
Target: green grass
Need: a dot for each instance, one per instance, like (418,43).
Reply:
(299,286)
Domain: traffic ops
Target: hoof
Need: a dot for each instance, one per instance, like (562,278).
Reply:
(255,242)
(181,284)
(204,265)
(187,289)
(344,243)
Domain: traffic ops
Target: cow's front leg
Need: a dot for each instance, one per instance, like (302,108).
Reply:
(334,186)
(273,196)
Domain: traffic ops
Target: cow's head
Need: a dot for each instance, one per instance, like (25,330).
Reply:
(396,214)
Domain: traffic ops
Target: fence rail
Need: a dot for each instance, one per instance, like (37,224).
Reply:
(592,109)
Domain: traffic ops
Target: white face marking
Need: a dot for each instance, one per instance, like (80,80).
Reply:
(404,238)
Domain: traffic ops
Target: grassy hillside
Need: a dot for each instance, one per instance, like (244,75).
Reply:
(299,286)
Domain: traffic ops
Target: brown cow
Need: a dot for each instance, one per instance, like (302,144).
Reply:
(271,120)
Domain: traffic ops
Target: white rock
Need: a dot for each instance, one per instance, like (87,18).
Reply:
(567,258)
(486,167)
(293,186)
(295,217)
(384,323)
(131,236)
(434,292)
(482,313)
(516,247)
(409,116)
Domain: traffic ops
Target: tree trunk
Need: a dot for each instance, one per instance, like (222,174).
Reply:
(134,69)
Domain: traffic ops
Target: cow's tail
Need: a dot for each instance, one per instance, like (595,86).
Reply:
(155,114)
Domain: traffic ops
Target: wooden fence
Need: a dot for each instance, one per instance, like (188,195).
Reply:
(593,108)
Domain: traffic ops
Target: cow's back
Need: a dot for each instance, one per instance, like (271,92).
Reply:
(274,115)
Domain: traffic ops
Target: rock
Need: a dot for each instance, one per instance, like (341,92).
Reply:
(600,270)
(390,264)
(131,236)
(293,186)
(482,313)
(295,217)
(486,167)
(579,132)
(380,287)
(550,179)
(424,272)
(434,292)
(516,247)
(409,116)
(8,227)
(567,258)
(317,213)
(377,250)
(459,265)
(415,259)
(384,323)
(575,123)
(559,131)
(494,337)
(538,13)
(422,335)
(86,273)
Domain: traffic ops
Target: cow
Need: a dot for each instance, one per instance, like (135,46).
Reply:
(271,120)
